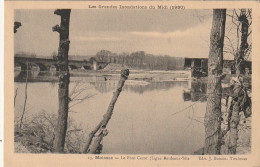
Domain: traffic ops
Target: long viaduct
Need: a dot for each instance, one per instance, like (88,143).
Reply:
(44,64)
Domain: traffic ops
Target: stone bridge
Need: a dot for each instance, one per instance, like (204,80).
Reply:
(44,64)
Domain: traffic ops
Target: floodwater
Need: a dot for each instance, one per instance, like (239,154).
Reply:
(150,117)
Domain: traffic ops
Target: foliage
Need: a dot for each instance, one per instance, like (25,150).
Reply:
(38,134)
(141,60)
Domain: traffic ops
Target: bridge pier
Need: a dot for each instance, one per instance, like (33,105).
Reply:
(54,67)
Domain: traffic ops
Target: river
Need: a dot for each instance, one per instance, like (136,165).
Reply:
(150,117)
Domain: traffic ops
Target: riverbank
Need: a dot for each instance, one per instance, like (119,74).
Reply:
(244,134)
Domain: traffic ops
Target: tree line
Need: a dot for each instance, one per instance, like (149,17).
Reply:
(140,60)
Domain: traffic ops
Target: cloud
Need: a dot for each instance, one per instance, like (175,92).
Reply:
(159,34)
(198,30)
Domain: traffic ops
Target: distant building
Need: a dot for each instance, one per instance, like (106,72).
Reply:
(94,65)
(199,66)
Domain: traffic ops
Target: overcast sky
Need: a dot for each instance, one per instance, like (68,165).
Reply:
(165,32)
(127,0)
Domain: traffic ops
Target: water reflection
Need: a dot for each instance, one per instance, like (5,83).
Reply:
(196,92)
(193,91)
(138,86)
(52,75)
(34,75)
(102,83)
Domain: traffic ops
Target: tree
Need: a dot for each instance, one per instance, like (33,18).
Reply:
(54,56)
(240,48)
(240,57)
(215,66)
(64,78)
(239,94)
(17,25)
(92,59)
(100,130)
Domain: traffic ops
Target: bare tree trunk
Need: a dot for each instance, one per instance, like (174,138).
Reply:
(16,26)
(91,136)
(239,59)
(64,78)
(234,121)
(25,96)
(240,102)
(238,96)
(15,95)
(97,147)
(215,65)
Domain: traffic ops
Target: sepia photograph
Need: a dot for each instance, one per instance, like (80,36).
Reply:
(111,81)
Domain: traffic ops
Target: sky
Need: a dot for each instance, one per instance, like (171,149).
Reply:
(130,0)
(183,33)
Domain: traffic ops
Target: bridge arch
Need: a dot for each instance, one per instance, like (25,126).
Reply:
(72,67)
(54,67)
(84,67)
(23,66)
(41,66)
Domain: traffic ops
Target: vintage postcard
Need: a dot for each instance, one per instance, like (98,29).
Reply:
(123,83)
